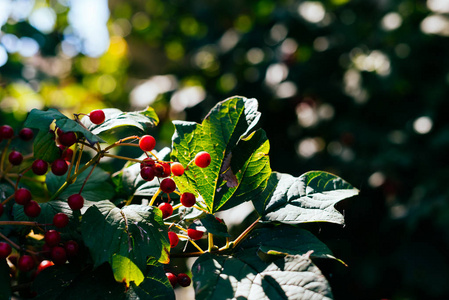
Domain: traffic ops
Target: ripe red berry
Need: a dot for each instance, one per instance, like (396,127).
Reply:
(52,238)
(172,278)
(97,116)
(5,250)
(25,263)
(177,169)
(67,154)
(159,170)
(67,138)
(22,196)
(32,209)
(43,265)
(188,199)
(60,220)
(174,239)
(194,234)
(15,158)
(202,159)
(167,169)
(147,143)
(58,255)
(2,208)
(71,248)
(76,201)
(6,132)
(59,167)
(147,173)
(147,162)
(168,185)
(26,134)
(39,167)
(184,279)
(167,209)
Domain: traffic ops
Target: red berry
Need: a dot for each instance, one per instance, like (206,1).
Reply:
(188,199)
(2,208)
(58,255)
(167,169)
(26,134)
(52,238)
(71,248)
(5,250)
(194,234)
(59,167)
(159,170)
(168,185)
(39,167)
(202,159)
(22,196)
(32,209)
(177,169)
(147,162)
(60,220)
(174,239)
(184,279)
(67,138)
(6,132)
(97,116)
(25,263)
(147,143)
(67,154)
(167,209)
(172,278)
(43,265)
(147,173)
(15,158)
(76,201)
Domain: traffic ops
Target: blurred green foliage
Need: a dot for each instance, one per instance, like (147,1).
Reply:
(358,88)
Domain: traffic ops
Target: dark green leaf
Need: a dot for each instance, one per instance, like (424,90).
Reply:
(214,226)
(308,198)
(5,284)
(44,146)
(135,232)
(155,286)
(246,276)
(240,165)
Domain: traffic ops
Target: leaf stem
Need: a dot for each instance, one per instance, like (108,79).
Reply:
(210,242)
(7,199)
(119,142)
(154,197)
(122,157)
(243,235)
(23,223)
(2,159)
(200,208)
(177,206)
(9,241)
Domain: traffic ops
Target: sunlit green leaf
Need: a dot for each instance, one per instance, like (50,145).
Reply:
(214,226)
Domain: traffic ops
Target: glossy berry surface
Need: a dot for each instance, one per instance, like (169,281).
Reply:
(71,248)
(43,265)
(147,143)
(177,169)
(167,209)
(59,167)
(147,173)
(39,167)
(67,154)
(202,159)
(60,220)
(25,263)
(184,279)
(188,199)
(58,255)
(32,209)
(22,196)
(6,132)
(194,234)
(26,134)
(76,201)
(67,138)
(97,116)
(147,162)
(15,158)
(5,250)
(172,278)
(52,238)
(174,239)
(168,185)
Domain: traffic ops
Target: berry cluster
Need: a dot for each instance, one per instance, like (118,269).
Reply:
(182,279)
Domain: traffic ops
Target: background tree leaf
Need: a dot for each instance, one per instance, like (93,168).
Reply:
(136,232)
(308,198)
(246,276)
(227,135)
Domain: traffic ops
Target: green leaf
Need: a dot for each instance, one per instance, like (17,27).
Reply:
(48,210)
(246,276)
(116,119)
(155,286)
(135,232)
(5,284)
(214,226)
(310,197)
(240,164)
(44,146)
(96,188)
(124,269)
